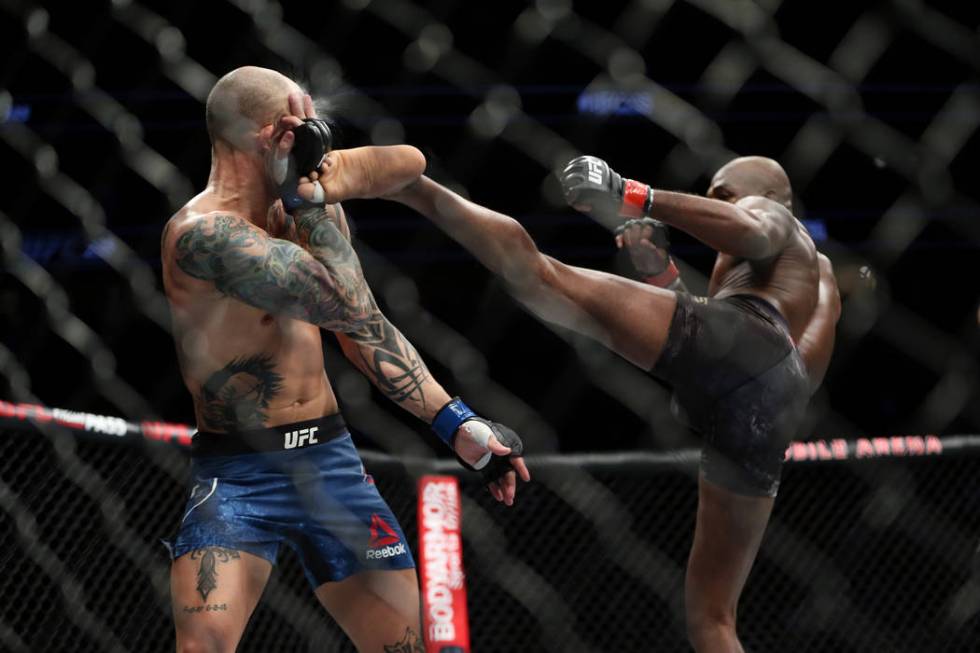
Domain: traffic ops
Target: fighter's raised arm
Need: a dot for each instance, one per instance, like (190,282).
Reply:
(753,228)
(322,284)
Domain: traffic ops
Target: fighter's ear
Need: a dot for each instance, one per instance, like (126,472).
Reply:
(264,137)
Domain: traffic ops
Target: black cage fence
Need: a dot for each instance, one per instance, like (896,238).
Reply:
(874,114)
(875,551)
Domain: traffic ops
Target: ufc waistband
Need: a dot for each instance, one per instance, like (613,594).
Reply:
(284,437)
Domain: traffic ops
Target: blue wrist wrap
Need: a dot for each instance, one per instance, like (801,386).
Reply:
(449,418)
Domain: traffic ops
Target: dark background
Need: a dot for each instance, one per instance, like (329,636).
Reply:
(872,107)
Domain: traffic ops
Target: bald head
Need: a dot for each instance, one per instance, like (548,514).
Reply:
(752,176)
(245,100)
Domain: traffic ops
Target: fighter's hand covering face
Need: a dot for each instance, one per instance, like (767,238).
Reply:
(297,180)
(356,173)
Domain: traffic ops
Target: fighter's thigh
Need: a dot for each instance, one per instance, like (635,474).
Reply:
(631,318)
(378,609)
(214,591)
(727,536)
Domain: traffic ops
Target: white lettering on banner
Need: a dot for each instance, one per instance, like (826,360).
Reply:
(106,425)
(70,418)
(300,438)
(443,558)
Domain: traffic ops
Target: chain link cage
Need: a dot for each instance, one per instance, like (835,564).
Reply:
(872,107)
(868,555)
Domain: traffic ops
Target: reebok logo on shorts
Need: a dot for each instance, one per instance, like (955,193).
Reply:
(300,438)
(385,542)
(381,533)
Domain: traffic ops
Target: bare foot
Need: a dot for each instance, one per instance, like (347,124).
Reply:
(369,172)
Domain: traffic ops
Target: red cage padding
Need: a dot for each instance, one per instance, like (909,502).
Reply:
(444,614)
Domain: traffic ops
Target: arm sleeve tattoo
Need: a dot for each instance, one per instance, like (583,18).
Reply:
(320,282)
(325,288)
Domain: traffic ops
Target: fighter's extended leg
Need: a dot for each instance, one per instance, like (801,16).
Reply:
(378,609)
(630,318)
(214,592)
(726,540)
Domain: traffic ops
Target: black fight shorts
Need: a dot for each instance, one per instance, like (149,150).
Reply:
(742,384)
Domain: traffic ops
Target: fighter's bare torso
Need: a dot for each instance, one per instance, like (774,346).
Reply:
(798,281)
(789,280)
(244,367)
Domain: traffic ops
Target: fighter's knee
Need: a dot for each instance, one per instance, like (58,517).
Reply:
(204,642)
(196,646)
(523,262)
(515,236)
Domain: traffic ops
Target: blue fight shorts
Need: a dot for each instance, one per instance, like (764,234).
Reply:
(302,484)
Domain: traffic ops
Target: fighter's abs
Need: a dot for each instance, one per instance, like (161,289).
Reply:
(257,371)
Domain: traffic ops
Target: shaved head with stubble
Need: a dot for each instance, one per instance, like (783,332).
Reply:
(243,101)
(750,176)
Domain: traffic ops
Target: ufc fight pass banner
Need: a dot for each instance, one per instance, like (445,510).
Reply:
(444,616)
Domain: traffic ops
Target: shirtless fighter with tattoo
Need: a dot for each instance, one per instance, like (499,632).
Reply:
(254,267)
(743,361)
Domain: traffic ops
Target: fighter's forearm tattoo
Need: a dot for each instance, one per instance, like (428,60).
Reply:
(207,573)
(410,643)
(237,395)
(327,288)
(384,355)
(391,363)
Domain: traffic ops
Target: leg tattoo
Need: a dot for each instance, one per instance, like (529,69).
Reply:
(207,573)
(410,643)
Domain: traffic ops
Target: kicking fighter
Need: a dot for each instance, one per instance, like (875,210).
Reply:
(743,361)
(254,267)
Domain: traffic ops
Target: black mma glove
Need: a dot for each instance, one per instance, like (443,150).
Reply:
(313,140)
(591,185)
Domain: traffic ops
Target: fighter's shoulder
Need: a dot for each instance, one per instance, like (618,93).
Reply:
(185,221)
(764,206)
(218,226)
